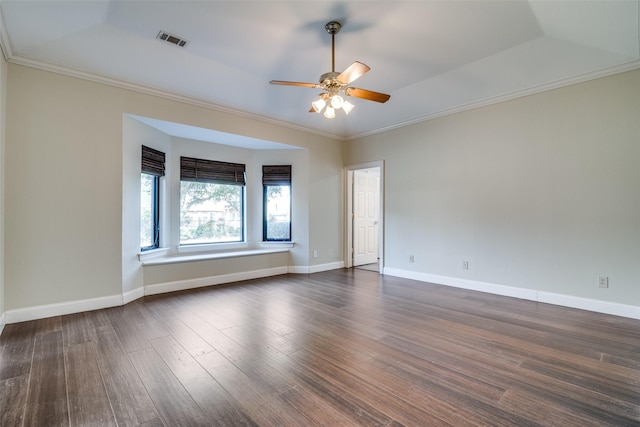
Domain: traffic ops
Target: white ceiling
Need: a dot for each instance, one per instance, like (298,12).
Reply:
(432,57)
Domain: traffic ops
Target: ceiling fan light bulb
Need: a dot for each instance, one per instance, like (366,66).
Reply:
(347,106)
(318,105)
(336,101)
(329,113)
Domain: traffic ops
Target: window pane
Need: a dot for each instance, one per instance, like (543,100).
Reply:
(148,209)
(277,211)
(210,213)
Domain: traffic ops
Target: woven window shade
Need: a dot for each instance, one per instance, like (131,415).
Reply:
(276,175)
(211,171)
(152,161)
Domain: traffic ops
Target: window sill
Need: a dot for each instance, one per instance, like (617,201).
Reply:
(275,244)
(211,256)
(211,247)
(153,253)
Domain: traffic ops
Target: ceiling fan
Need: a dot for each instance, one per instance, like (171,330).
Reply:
(334,83)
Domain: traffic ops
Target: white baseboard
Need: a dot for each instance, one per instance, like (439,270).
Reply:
(2,322)
(60,309)
(598,306)
(309,269)
(200,282)
(132,295)
(326,267)
(605,307)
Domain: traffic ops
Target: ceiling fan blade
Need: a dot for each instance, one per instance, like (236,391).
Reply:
(367,94)
(354,71)
(280,82)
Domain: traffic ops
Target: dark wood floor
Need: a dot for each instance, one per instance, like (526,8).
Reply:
(340,348)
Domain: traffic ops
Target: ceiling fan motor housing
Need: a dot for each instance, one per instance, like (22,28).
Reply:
(333,27)
(329,78)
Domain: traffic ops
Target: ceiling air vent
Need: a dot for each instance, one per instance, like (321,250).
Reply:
(170,38)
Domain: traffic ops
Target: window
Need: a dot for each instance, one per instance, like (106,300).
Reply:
(276,181)
(211,201)
(152,168)
(149,212)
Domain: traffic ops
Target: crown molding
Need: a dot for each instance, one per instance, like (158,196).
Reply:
(617,69)
(123,84)
(5,40)
(148,90)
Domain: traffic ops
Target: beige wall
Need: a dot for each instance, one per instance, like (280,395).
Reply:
(64,204)
(539,193)
(3,109)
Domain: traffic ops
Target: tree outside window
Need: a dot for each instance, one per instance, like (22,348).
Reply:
(210,213)
(149,207)
(277,213)
(276,181)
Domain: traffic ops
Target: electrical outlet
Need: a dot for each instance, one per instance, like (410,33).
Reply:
(465,265)
(315,254)
(411,259)
(603,281)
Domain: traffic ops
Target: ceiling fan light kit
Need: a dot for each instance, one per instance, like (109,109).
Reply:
(334,83)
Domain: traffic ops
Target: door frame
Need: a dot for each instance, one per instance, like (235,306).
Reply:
(348,212)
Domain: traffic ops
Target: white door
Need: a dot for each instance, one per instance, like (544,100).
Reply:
(366,206)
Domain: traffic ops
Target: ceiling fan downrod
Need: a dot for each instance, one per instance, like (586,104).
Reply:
(333,28)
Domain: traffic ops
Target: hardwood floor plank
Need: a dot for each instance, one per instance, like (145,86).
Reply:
(258,403)
(131,335)
(88,401)
(620,361)
(217,405)
(203,304)
(98,318)
(77,329)
(156,422)
(50,324)
(147,320)
(625,400)
(346,404)
(246,337)
(495,345)
(313,407)
(173,402)
(350,405)
(174,324)
(247,361)
(13,400)
(47,398)
(254,363)
(449,387)
(16,352)
(509,377)
(362,351)
(546,412)
(129,399)
(393,405)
